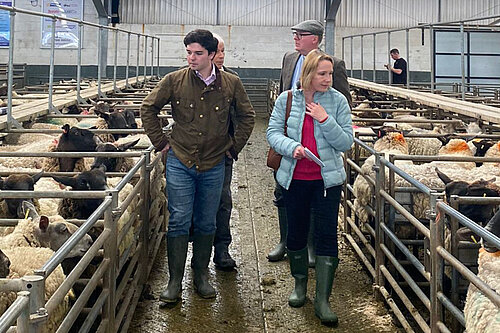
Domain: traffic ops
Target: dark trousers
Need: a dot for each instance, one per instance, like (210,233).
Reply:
(306,198)
(223,232)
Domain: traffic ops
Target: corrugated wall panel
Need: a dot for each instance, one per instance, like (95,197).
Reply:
(282,13)
(386,13)
(453,10)
(231,12)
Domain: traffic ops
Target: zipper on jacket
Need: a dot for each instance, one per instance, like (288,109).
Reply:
(324,193)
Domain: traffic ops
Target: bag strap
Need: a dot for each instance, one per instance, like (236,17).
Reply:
(288,108)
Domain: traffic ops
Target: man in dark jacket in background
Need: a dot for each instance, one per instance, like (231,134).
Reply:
(307,36)
(200,97)
(399,69)
(222,258)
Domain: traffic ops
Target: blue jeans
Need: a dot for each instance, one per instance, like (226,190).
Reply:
(191,197)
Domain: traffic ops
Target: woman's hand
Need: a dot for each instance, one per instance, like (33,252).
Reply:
(299,153)
(316,111)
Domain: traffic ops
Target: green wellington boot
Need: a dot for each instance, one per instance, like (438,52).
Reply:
(325,272)
(202,251)
(278,253)
(176,253)
(299,269)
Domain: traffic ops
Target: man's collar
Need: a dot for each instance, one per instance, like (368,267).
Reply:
(212,73)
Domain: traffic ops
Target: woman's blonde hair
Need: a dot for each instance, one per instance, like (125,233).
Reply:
(311,65)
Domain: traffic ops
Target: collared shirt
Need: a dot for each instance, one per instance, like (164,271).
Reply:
(297,71)
(210,78)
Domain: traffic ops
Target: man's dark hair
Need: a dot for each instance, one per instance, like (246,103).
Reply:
(396,51)
(202,37)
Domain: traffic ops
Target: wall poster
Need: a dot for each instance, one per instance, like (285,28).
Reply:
(66,31)
(5,24)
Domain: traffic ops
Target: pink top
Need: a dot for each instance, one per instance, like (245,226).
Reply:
(305,169)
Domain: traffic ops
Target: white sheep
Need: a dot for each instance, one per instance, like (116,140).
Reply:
(481,314)
(24,261)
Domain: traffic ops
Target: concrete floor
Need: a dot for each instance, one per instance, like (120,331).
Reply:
(254,297)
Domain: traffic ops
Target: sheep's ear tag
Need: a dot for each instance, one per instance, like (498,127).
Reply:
(43,223)
(379,134)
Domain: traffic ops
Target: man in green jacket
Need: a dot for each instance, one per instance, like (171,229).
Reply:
(200,96)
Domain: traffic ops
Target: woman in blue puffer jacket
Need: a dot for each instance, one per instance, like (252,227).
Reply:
(320,122)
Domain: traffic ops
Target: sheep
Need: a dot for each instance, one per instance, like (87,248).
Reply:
(26,162)
(11,208)
(42,231)
(72,140)
(493,152)
(24,261)
(111,120)
(481,314)
(115,164)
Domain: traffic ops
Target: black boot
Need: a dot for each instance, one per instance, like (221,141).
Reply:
(278,253)
(298,268)
(202,251)
(176,253)
(325,272)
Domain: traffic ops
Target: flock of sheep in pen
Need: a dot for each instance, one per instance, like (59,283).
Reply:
(474,179)
(43,227)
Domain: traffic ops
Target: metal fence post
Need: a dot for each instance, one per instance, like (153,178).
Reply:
(362,65)
(11,121)
(99,65)
(146,201)
(158,59)
(436,219)
(127,85)
(145,58)
(352,58)
(52,60)
(379,168)
(35,284)
(111,254)
(152,57)
(462,58)
(79,65)
(24,319)
(389,72)
(138,55)
(115,61)
(431,47)
(408,58)
(374,58)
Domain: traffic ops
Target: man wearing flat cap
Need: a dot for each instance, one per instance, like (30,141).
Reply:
(307,35)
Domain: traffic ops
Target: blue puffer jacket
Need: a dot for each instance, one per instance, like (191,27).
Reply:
(332,137)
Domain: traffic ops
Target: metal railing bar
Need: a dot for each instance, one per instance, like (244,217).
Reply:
(473,226)
(424,189)
(61,18)
(95,131)
(406,301)
(362,237)
(412,219)
(466,273)
(94,312)
(70,154)
(360,254)
(456,312)
(70,280)
(125,279)
(60,254)
(126,227)
(15,310)
(7,285)
(397,312)
(406,276)
(418,265)
(54,194)
(124,181)
(76,308)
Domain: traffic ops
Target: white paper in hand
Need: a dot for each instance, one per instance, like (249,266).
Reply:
(313,157)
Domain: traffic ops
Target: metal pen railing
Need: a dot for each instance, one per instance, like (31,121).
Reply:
(460,24)
(391,261)
(11,121)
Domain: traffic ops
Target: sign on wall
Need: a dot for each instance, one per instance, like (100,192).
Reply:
(66,35)
(5,25)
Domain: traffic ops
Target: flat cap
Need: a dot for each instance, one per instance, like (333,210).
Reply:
(313,26)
